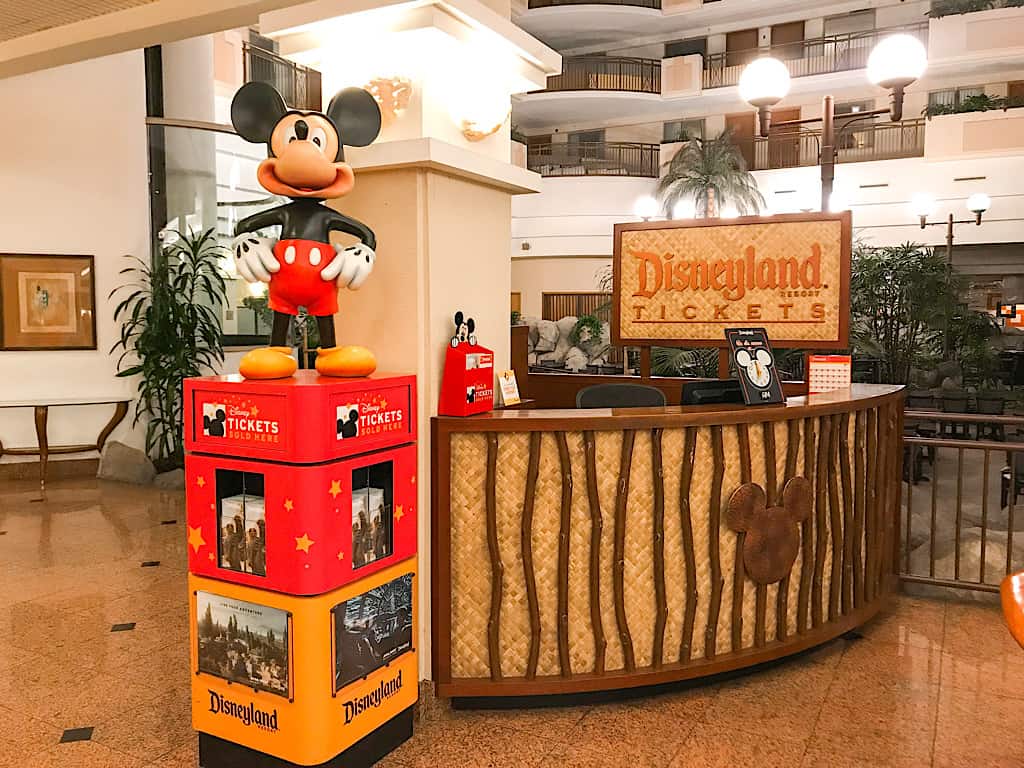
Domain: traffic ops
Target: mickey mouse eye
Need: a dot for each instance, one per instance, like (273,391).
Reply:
(289,134)
(319,138)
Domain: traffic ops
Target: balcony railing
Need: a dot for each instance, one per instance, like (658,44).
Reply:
(888,141)
(608,73)
(835,53)
(594,159)
(300,86)
(636,3)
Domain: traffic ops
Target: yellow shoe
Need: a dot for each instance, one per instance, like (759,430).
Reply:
(268,363)
(345,361)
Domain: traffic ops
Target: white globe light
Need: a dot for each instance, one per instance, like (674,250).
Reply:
(979,202)
(838,202)
(764,82)
(922,204)
(684,209)
(646,207)
(897,61)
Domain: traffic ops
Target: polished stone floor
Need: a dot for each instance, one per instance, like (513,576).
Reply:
(926,684)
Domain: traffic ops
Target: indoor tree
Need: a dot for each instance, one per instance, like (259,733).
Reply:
(899,298)
(170,331)
(712,173)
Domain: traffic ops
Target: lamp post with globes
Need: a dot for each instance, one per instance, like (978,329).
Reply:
(923,206)
(896,62)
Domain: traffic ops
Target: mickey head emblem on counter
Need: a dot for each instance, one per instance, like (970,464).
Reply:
(773,533)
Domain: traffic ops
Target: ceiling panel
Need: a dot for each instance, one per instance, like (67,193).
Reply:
(23,17)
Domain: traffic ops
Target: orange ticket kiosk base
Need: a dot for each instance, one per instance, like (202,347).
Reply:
(302,569)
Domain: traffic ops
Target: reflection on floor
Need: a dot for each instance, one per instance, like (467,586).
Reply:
(928,683)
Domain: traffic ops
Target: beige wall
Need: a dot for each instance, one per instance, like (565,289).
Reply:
(532,277)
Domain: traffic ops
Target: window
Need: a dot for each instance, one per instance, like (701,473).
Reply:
(859,134)
(953,97)
(587,137)
(686,47)
(848,23)
(682,130)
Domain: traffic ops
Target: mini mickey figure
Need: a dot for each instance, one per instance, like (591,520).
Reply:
(756,366)
(464,330)
(305,162)
(214,427)
(772,534)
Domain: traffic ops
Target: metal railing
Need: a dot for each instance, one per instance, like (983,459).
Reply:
(593,158)
(300,86)
(886,141)
(961,533)
(834,53)
(636,3)
(608,73)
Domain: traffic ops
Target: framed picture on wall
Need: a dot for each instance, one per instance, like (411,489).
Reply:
(47,302)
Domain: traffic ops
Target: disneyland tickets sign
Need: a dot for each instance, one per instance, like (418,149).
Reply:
(682,283)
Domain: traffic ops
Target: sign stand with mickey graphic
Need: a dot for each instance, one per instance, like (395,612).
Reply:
(468,384)
(301,506)
(755,364)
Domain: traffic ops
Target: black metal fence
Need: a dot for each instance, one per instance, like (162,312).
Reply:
(592,158)
(866,141)
(963,474)
(300,86)
(834,53)
(608,73)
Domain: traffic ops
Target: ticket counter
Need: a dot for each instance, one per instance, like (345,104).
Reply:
(592,550)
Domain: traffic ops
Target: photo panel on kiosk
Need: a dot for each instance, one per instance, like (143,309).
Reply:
(300,529)
(303,679)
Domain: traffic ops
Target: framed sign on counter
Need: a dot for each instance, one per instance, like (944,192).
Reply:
(683,283)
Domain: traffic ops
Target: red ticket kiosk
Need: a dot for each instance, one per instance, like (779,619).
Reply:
(301,496)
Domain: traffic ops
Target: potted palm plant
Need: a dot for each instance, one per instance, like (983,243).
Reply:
(712,173)
(170,330)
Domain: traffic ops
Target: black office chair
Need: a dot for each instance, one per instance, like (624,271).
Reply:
(620,396)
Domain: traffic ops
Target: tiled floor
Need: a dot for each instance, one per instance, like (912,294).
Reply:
(928,684)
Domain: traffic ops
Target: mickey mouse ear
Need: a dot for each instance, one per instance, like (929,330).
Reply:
(764,357)
(743,504)
(743,358)
(796,498)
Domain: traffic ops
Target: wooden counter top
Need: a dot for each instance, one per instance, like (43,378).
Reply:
(528,420)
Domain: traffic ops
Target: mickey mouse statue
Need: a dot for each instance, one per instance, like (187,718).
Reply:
(305,162)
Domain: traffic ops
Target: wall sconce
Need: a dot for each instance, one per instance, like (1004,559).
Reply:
(392,95)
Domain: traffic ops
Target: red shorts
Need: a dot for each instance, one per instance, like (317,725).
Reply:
(298,282)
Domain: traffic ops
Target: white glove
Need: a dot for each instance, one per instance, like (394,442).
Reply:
(254,258)
(351,266)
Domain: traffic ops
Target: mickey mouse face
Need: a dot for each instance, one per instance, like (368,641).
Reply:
(773,534)
(214,426)
(756,366)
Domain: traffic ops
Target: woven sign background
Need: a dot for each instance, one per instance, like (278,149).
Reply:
(686,316)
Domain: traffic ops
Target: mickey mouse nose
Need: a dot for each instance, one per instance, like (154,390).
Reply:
(302,165)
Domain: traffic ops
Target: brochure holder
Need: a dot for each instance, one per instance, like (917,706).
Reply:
(301,505)
(468,384)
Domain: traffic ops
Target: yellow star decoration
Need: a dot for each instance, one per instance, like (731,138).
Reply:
(201,481)
(413,479)
(255,411)
(383,403)
(341,555)
(304,543)
(399,514)
(195,538)
(289,504)
(335,488)
(212,557)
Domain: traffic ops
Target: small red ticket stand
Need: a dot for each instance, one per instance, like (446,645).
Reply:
(301,506)
(468,383)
